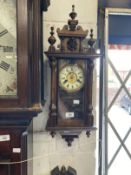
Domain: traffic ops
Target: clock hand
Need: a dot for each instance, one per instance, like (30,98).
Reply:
(5,66)
(9,89)
(65,81)
(79,81)
(7,48)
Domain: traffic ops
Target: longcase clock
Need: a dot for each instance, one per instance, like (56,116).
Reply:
(71,109)
(20,101)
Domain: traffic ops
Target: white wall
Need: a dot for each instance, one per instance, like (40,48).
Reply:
(47,151)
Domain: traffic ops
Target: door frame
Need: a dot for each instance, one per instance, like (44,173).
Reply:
(103,122)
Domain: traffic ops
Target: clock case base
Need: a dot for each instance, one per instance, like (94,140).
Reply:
(70,134)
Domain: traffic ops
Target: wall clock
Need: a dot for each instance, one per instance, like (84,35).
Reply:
(71,109)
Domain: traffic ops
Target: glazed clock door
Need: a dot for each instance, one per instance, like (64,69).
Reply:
(71,89)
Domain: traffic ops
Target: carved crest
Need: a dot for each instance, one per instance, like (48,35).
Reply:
(72,35)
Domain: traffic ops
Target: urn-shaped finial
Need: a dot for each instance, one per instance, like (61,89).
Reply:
(73,14)
(91,42)
(51,40)
(72,22)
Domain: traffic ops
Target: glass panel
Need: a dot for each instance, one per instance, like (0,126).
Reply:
(112,148)
(128,85)
(117,89)
(8,49)
(120,58)
(118,111)
(121,164)
(71,92)
(113,84)
(128,140)
(120,118)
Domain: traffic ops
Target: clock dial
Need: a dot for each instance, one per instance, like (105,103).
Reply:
(71,78)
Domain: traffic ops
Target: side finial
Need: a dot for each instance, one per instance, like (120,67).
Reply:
(91,34)
(91,42)
(51,40)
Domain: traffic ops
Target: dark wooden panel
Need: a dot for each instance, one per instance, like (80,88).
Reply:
(4,170)
(7,154)
(119,3)
(4,145)
(45,4)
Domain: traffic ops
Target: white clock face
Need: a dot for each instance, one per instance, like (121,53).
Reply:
(71,78)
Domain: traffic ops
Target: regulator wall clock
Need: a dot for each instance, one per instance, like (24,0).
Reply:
(71,80)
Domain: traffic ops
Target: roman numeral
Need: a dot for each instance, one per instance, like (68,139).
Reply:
(5,66)
(67,85)
(3,32)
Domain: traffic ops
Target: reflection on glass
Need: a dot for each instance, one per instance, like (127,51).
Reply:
(8,58)
(118,73)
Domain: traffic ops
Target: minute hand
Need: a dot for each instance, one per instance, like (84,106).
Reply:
(79,81)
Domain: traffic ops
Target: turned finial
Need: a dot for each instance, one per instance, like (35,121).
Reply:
(72,22)
(51,40)
(91,42)
(91,34)
(73,14)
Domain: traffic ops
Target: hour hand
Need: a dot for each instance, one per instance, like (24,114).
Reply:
(65,81)
(78,81)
